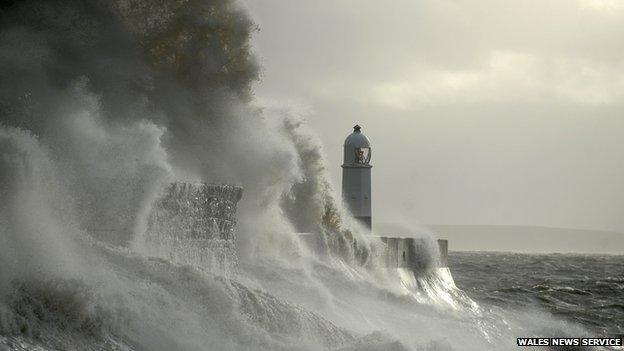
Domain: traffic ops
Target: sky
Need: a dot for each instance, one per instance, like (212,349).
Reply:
(489,112)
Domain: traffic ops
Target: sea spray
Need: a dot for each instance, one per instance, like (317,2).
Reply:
(36,230)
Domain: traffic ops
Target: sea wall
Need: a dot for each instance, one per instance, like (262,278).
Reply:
(400,252)
(415,253)
(195,223)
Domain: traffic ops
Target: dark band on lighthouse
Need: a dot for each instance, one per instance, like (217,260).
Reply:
(356,176)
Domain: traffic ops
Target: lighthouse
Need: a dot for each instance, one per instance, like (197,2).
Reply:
(356,176)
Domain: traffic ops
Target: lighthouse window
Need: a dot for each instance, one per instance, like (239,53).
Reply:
(403,256)
(362,155)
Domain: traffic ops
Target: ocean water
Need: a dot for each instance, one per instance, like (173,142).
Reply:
(582,289)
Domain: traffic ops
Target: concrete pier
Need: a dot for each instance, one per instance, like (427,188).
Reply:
(415,253)
(195,224)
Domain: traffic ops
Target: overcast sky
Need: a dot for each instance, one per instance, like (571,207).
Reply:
(479,111)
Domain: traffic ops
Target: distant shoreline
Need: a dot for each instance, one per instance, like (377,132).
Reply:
(530,239)
(521,239)
(536,253)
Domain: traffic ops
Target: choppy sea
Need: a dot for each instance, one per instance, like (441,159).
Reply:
(583,289)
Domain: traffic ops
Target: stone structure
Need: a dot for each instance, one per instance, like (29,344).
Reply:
(415,253)
(195,223)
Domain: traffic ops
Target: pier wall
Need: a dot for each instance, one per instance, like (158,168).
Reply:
(415,253)
(400,252)
(195,223)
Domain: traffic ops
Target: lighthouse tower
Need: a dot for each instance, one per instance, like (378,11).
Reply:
(356,176)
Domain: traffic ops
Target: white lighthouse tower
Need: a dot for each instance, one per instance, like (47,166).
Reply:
(356,176)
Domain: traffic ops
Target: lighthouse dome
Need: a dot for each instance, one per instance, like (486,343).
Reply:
(357,149)
(357,139)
